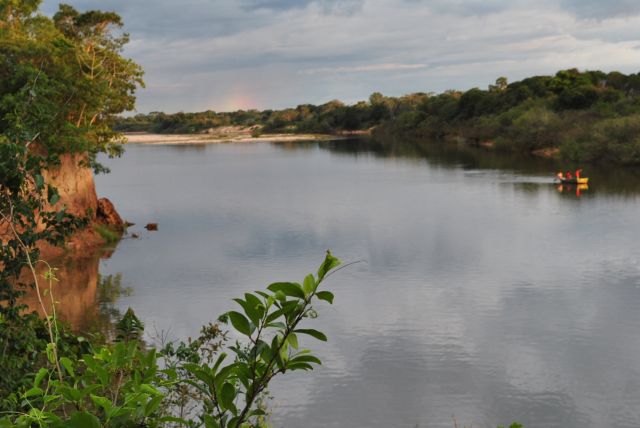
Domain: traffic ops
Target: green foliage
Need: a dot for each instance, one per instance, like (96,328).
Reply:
(590,116)
(256,132)
(191,384)
(62,80)
(115,386)
(129,327)
(612,140)
(25,220)
(539,112)
(270,323)
(331,117)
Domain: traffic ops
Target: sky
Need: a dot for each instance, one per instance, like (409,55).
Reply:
(226,55)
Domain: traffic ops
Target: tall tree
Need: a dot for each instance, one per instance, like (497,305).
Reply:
(63,80)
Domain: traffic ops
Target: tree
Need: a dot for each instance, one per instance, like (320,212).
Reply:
(63,80)
(500,86)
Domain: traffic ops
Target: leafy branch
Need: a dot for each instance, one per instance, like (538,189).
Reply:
(270,321)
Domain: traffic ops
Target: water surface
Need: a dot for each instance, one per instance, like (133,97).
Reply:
(487,294)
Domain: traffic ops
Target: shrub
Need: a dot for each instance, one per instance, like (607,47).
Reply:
(125,385)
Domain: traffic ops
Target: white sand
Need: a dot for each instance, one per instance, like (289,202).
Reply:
(232,137)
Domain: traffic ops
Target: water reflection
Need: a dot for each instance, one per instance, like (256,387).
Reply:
(487,294)
(83,298)
(571,189)
(610,179)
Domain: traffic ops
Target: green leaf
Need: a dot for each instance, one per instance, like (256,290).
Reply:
(235,423)
(219,361)
(277,325)
(54,199)
(150,390)
(329,263)
(249,310)
(276,351)
(153,405)
(325,295)
(118,411)
(33,392)
(227,396)
(222,376)
(50,353)
(52,195)
(291,289)
(240,322)
(210,422)
(255,303)
(305,359)
(244,374)
(103,402)
(41,374)
(280,296)
(200,374)
(311,332)
(299,366)
(275,315)
(279,359)
(39,181)
(68,365)
(293,340)
(83,420)
(309,284)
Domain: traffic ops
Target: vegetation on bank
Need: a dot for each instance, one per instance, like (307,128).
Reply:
(62,79)
(587,116)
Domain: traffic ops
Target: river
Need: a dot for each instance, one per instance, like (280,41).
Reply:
(485,294)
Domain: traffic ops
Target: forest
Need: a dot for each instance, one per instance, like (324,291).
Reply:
(582,116)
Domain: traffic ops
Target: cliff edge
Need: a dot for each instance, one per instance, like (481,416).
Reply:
(77,189)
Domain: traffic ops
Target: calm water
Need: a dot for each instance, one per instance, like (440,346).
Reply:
(487,295)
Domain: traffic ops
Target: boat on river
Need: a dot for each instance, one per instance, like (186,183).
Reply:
(569,179)
(581,180)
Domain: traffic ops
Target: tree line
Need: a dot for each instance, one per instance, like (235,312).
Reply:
(584,116)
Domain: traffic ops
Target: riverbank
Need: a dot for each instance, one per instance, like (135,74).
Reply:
(223,135)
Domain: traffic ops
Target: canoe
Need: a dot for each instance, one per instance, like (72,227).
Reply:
(581,180)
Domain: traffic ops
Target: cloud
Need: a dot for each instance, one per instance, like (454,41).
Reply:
(466,7)
(209,54)
(328,6)
(598,9)
(364,68)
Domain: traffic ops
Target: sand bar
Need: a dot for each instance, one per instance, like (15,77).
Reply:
(144,138)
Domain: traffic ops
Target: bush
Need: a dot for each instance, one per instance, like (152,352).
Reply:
(125,385)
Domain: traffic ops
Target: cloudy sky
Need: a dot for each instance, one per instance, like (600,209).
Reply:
(230,54)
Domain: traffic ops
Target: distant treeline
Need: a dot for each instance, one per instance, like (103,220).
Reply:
(581,116)
(328,118)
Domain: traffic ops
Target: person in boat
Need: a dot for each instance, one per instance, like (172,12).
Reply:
(568,176)
(578,171)
(560,176)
